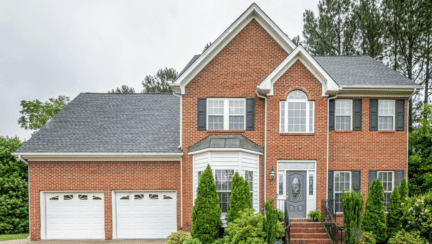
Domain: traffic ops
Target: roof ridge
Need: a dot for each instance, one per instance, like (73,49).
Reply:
(138,93)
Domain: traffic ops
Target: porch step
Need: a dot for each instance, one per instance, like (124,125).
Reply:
(309,240)
(301,220)
(306,224)
(307,230)
(309,235)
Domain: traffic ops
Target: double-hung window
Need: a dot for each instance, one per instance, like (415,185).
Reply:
(297,114)
(342,181)
(226,114)
(343,115)
(223,180)
(249,178)
(386,114)
(386,178)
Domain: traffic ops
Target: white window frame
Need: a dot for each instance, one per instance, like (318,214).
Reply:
(285,130)
(394,114)
(334,187)
(250,183)
(226,114)
(351,115)
(223,191)
(393,183)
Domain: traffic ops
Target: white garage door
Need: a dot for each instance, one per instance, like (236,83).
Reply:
(146,214)
(74,215)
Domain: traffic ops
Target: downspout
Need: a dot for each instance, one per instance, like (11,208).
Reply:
(181,163)
(415,90)
(328,132)
(265,144)
(28,189)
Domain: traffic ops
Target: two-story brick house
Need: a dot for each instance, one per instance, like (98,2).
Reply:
(298,127)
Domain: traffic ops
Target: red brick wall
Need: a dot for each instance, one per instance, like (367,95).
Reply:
(99,176)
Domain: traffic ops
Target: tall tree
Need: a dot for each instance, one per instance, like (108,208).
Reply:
(123,89)
(35,113)
(237,199)
(394,216)
(403,190)
(333,31)
(159,83)
(374,218)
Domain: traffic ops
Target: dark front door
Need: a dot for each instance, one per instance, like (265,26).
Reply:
(296,192)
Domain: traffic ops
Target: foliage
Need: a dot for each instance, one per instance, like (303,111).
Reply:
(403,190)
(273,227)
(249,228)
(403,237)
(192,241)
(395,214)
(417,215)
(219,241)
(352,205)
(13,189)
(367,238)
(159,83)
(281,216)
(420,160)
(178,237)
(374,219)
(123,89)
(315,215)
(35,113)
(7,237)
(240,198)
(206,212)
(207,45)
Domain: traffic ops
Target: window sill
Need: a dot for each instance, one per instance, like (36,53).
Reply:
(297,134)
(224,131)
(343,131)
(387,131)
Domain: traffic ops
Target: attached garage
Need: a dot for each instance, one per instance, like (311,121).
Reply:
(73,215)
(145,214)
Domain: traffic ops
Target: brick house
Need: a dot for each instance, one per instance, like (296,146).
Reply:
(298,127)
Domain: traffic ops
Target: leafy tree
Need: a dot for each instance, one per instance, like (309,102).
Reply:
(374,218)
(352,205)
(159,83)
(420,160)
(403,190)
(206,212)
(417,215)
(123,89)
(207,46)
(35,113)
(395,214)
(13,189)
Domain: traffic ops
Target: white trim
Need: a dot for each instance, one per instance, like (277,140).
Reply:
(393,182)
(225,150)
(334,183)
(351,115)
(381,86)
(97,154)
(101,157)
(393,116)
(307,114)
(226,113)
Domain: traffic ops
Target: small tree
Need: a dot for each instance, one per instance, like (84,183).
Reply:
(403,190)
(206,212)
(352,204)
(272,226)
(123,89)
(235,206)
(247,193)
(395,214)
(374,219)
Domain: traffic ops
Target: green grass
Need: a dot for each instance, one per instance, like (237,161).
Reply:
(7,237)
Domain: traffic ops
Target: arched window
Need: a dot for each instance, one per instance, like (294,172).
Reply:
(297,114)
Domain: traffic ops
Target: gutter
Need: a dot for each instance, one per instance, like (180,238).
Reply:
(414,92)
(28,189)
(181,163)
(97,154)
(328,132)
(265,144)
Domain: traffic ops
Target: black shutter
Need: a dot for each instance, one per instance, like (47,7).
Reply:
(330,188)
(373,114)
(250,113)
(202,115)
(357,114)
(373,174)
(332,108)
(399,176)
(356,180)
(400,114)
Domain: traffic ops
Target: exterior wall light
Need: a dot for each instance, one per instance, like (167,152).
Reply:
(272,174)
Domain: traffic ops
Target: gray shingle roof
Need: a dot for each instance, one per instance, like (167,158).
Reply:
(194,58)
(111,123)
(225,141)
(361,71)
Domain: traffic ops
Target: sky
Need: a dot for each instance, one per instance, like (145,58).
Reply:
(52,48)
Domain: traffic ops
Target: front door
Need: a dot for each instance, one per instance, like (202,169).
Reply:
(296,192)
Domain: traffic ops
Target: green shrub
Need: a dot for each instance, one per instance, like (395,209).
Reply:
(273,227)
(240,198)
(403,190)
(417,215)
(178,237)
(406,237)
(374,219)
(281,216)
(315,215)
(249,228)
(395,214)
(206,212)
(219,241)
(368,238)
(192,241)
(352,205)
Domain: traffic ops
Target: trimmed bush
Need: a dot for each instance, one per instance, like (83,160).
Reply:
(273,227)
(191,241)
(395,214)
(417,216)
(247,193)
(403,190)
(219,241)
(403,237)
(239,199)
(367,238)
(206,212)
(374,219)
(178,237)
(315,215)
(249,228)
(352,205)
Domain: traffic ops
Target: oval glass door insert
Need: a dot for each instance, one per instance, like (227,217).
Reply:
(295,188)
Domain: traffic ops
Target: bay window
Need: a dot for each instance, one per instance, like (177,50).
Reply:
(223,180)
(297,114)
(226,114)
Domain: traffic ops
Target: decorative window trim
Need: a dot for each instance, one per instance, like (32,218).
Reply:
(393,115)
(223,191)
(226,114)
(340,192)
(283,114)
(351,114)
(391,188)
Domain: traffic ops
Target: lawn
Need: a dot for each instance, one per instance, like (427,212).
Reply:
(7,237)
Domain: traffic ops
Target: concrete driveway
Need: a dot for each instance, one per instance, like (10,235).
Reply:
(159,241)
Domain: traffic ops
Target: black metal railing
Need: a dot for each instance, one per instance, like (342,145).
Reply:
(328,219)
(287,223)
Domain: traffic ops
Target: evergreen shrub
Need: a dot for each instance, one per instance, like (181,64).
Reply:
(403,237)
(367,238)
(374,218)
(248,228)
(395,214)
(178,237)
(240,198)
(352,205)
(192,241)
(403,190)
(273,227)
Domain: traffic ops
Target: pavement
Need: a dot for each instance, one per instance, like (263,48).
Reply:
(148,241)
